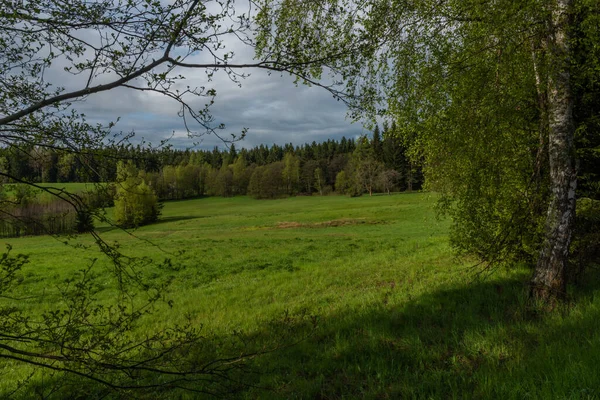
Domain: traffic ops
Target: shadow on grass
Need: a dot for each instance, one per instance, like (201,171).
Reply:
(176,218)
(162,220)
(478,341)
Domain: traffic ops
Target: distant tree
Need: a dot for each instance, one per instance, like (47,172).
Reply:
(387,180)
(377,145)
(291,173)
(255,184)
(308,152)
(233,153)
(337,163)
(365,168)
(342,182)
(136,203)
(366,174)
(275,154)
(216,158)
(241,178)
(4,172)
(212,180)
(394,152)
(169,182)
(186,181)
(203,173)
(230,156)
(267,181)
(307,175)
(66,167)
(196,158)
(224,182)
(319,180)
(272,185)
(363,149)
(43,163)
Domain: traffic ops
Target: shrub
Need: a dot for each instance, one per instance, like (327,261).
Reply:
(136,203)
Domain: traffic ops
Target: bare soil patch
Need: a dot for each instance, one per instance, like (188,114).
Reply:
(326,224)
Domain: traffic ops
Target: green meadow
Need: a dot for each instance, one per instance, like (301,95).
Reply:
(385,309)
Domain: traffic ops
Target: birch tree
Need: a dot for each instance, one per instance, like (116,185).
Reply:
(482,91)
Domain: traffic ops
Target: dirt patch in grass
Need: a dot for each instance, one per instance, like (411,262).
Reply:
(334,223)
(327,224)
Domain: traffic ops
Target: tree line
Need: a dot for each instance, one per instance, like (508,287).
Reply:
(138,178)
(371,163)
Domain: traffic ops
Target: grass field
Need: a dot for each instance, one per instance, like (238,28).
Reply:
(398,315)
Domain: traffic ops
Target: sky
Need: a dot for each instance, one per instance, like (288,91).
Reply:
(271,107)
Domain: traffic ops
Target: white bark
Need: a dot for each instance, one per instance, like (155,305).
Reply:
(549,278)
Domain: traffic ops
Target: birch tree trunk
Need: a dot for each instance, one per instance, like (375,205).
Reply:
(549,278)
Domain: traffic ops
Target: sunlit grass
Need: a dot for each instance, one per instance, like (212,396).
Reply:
(398,315)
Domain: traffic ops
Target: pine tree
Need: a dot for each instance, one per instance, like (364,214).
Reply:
(377,145)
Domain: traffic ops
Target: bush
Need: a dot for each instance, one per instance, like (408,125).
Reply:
(136,203)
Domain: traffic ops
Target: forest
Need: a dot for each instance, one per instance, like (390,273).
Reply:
(377,162)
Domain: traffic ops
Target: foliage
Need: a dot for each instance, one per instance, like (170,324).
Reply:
(136,203)
(472,88)
(387,180)
(28,210)
(366,174)
(342,183)
(23,194)
(586,244)
(178,174)
(586,83)
(241,175)
(319,181)
(497,202)
(37,217)
(267,181)
(291,173)
(254,186)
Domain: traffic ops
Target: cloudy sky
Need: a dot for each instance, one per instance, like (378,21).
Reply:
(272,107)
